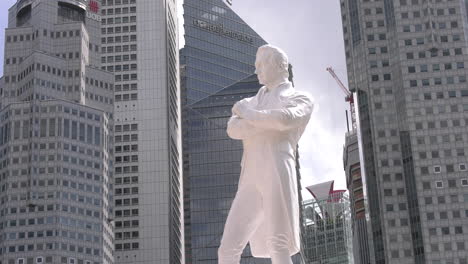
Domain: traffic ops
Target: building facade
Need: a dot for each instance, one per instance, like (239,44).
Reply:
(218,70)
(213,171)
(140,46)
(357,198)
(327,235)
(219,50)
(406,64)
(56,137)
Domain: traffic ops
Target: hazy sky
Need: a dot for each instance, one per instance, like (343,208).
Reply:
(310,33)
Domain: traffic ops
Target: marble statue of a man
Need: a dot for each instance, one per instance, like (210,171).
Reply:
(265,211)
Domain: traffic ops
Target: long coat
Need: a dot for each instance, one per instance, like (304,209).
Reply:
(270,125)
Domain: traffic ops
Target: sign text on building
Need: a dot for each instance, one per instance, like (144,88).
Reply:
(220,30)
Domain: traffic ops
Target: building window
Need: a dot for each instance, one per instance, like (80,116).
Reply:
(464,182)
(439,184)
(462,167)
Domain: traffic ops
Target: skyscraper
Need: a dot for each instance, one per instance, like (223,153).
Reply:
(327,232)
(213,169)
(55,137)
(406,63)
(219,50)
(139,44)
(354,182)
(218,70)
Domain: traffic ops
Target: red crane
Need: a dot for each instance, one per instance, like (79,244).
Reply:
(349,95)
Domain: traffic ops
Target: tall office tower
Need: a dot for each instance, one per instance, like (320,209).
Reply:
(140,46)
(406,63)
(327,235)
(55,137)
(354,182)
(218,65)
(213,171)
(219,50)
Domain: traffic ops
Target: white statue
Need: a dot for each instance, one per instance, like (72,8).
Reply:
(265,211)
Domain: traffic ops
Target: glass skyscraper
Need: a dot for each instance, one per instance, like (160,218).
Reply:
(213,167)
(407,64)
(217,70)
(327,235)
(219,48)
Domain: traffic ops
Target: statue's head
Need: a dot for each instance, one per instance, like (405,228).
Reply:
(271,65)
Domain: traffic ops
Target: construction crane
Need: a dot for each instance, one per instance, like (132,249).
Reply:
(349,96)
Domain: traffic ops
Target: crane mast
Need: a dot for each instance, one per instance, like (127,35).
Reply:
(348,95)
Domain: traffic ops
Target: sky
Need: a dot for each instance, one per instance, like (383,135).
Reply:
(310,32)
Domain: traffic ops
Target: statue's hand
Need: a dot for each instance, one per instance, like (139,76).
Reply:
(240,108)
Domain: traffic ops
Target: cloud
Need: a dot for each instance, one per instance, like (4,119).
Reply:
(312,38)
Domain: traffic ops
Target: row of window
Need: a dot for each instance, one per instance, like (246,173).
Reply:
(49,233)
(68,221)
(451,183)
(126,128)
(126,148)
(56,246)
(126,169)
(126,87)
(436,154)
(124,67)
(46,69)
(450,168)
(439,125)
(119,48)
(127,224)
(126,97)
(426,12)
(127,246)
(45,183)
(119,11)
(125,138)
(118,58)
(47,259)
(119,39)
(126,213)
(50,207)
(117,2)
(118,30)
(442,200)
(126,191)
(416,3)
(438,25)
(35,195)
(126,180)
(126,202)
(126,159)
(118,20)
(52,34)
(127,235)
(51,109)
(99,83)
(457,230)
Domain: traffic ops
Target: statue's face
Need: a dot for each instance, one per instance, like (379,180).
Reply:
(265,71)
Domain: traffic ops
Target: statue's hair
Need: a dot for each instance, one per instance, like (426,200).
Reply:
(276,57)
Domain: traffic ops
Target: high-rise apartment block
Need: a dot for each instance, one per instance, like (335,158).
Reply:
(407,64)
(140,46)
(56,129)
